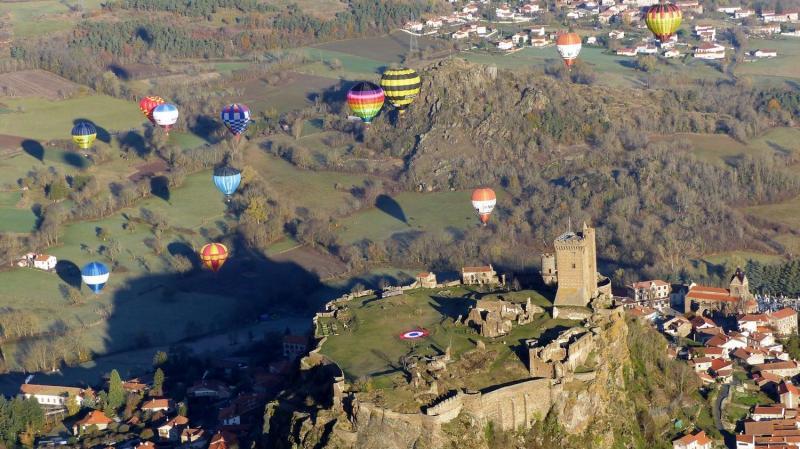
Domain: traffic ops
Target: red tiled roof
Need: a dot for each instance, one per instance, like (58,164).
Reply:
(703,296)
(776,365)
(486,269)
(784,313)
(155,403)
(648,284)
(767,410)
(699,438)
(757,317)
(94,417)
(718,364)
(786,387)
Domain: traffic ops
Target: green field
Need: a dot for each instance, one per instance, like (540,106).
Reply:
(784,66)
(352,66)
(787,212)
(31,18)
(411,212)
(44,119)
(721,148)
(378,323)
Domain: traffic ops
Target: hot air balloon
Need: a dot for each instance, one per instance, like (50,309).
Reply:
(83,134)
(147,104)
(663,20)
(227,179)
(236,117)
(568,46)
(165,115)
(365,100)
(214,255)
(95,275)
(401,86)
(483,201)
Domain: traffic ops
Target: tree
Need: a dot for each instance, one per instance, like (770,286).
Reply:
(147,434)
(159,358)
(73,407)
(116,392)
(158,383)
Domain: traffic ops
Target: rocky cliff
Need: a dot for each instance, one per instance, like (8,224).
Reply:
(588,408)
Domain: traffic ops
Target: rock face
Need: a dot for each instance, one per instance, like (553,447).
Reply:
(590,403)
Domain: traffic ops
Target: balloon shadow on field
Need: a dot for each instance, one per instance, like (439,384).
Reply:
(102,134)
(207,128)
(75,160)
(134,141)
(120,72)
(159,186)
(68,272)
(334,96)
(33,148)
(389,206)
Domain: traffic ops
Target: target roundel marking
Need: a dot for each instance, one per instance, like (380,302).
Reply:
(414,334)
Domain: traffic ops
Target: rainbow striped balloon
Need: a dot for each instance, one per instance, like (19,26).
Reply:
(365,100)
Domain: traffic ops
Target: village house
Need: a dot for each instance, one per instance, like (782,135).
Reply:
(605,18)
(463,33)
(709,50)
(505,44)
(145,445)
(630,15)
(722,369)
(644,313)
(53,396)
(743,13)
(789,394)
(223,440)
(539,42)
(648,49)
(244,404)
(653,293)
(616,35)
(672,54)
(93,419)
(479,275)
(625,51)
(729,9)
(765,30)
(781,369)
(434,23)
(705,33)
(701,364)
(157,405)
(209,389)
(413,26)
(519,38)
(426,280)
(470,8)
(751,322)
(764,53)
(504,12)
(784,321)
(529,9)
(692,6)
(766,412)
(172,429)
(134,386)
(193,438)
(540,31)
(696,440)
(737,298)
(749,356)
(786,16)
(295,346)
(591,40)
(40,261)
(677,327)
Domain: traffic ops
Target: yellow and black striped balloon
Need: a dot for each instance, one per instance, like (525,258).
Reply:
(401,86)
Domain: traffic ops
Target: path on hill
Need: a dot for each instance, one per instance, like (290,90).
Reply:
(717,410)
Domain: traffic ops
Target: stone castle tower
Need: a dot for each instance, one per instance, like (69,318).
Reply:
(549,273)
(576,265)
(740,286)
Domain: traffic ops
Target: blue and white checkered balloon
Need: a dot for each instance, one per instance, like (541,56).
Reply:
(236,117)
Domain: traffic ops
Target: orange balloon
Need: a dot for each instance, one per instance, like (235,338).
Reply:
(214,255)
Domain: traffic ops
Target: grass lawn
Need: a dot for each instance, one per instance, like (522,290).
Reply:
(377,324)
(314,190)
(721,148)
(352,66)
(36,17)
(59,116)
(783,66)
(410,212)
(787,212)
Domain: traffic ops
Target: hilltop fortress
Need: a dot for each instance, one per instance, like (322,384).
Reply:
(570,371)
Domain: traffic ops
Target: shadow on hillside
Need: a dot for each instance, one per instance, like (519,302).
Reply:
(334,96)
(34,149)
(120,72)
(166,307)
(75,160)
(208,129)
(391,207)
(102,134)
(68,272)
(183,249)
(452,307)
(134,141)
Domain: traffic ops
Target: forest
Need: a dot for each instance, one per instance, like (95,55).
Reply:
(783,278)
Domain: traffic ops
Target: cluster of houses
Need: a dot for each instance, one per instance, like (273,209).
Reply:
(220,413)
(469,14)
(721,332)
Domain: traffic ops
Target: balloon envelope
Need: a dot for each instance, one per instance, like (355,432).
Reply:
(227,179)
(165,115)
(147,104)
(83,134)
(214,255)
(483,201)
(95,275)
(568,46)
(236,117)
(663,20)
(365,100)
(401,86)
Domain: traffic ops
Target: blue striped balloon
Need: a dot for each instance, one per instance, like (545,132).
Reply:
(236,117)
(95,275)
(227,179)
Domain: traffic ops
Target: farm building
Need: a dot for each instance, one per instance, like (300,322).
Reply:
(708,50)
(426,280)
(40,261)
(479,275)
(95,418)
(765,53)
